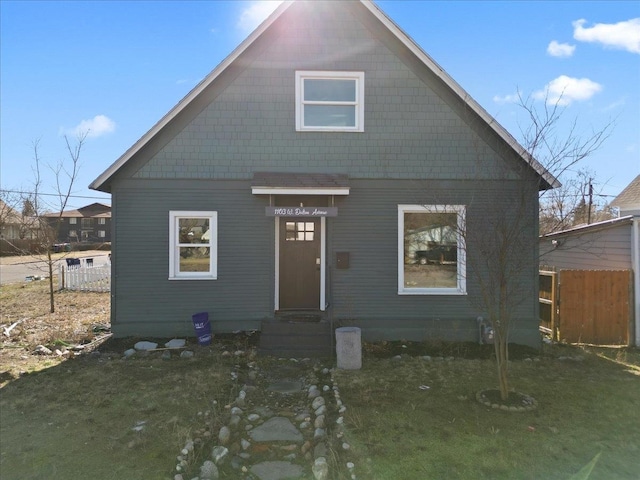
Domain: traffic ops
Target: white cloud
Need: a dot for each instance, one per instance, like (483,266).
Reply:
(564,90)
(556,49)
(509,98)
(256,13)
(622,35)
(94,127)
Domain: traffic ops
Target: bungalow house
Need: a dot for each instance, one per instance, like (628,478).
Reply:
(12,223)
(91,223)
(603,246)
(295,177)
(18,232)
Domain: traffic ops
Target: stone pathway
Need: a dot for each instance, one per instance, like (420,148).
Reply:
(280,426)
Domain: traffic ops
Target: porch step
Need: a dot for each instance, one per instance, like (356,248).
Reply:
(296,339)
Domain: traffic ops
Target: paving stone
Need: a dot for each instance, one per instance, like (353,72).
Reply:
(277,470)
(276,429)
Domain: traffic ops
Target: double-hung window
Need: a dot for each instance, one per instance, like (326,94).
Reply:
(431,249)
(330,101)
(193,245)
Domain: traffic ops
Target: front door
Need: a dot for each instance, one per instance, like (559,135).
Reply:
(299,263)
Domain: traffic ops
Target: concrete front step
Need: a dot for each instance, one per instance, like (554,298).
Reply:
(291,339)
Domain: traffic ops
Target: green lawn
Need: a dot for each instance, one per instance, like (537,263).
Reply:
(585,407)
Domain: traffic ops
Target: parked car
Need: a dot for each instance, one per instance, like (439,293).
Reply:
(440,254)
(61,247)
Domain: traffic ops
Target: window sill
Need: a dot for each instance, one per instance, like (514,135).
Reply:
(433,291)
(330,129)
(193,278)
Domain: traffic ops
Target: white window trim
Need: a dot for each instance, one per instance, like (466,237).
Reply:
(174,246)
(359,102)
(102,234)
(102,221)
(73,221)
(461,288)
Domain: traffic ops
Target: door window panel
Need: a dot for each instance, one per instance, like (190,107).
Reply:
(299,231)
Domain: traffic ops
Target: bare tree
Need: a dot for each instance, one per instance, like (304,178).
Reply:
(44,228)
(504,264)
(578,201)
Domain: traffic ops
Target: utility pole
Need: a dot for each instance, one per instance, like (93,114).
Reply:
(590,202)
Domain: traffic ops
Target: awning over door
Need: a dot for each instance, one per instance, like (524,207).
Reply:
(280,183)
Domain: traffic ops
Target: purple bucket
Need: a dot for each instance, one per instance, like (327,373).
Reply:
(202,327)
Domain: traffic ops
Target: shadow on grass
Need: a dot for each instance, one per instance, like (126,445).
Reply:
(103,417)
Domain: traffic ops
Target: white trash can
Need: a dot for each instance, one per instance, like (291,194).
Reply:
(349,348)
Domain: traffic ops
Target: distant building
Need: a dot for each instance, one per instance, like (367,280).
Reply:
(87,224)
(628,202)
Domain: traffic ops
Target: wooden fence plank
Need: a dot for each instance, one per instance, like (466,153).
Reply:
(548,299)
(595,306)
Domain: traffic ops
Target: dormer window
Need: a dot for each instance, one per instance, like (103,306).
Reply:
(329,101)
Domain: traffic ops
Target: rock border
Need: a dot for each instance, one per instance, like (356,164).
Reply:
(531,403)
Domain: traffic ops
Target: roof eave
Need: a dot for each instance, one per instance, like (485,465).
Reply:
(589,227)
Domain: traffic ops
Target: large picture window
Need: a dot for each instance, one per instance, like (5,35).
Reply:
(193,245)
(431,249)
(330,101)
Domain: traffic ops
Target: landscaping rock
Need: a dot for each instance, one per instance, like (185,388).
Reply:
(42,350)
(209,471)
(219,453)
(224,435)
(320,469)
(175,343)
(144,345)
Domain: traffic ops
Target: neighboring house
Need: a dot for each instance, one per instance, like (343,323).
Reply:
(11,224)
(91,223)
(628,202)
(294,178)
(15,226)
(608,245)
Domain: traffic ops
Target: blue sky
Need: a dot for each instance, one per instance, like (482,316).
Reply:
(115,68)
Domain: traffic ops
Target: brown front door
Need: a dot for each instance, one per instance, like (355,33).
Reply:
(299,263)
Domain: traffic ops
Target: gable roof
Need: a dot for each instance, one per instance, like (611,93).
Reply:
(629,198)
(549,181)
(9,214)
(94,210)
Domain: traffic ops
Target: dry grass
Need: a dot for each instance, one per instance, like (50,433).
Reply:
(79,319)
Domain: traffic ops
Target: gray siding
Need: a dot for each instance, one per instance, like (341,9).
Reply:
(412,129)
(606,249)
(366,294)
(147,303)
